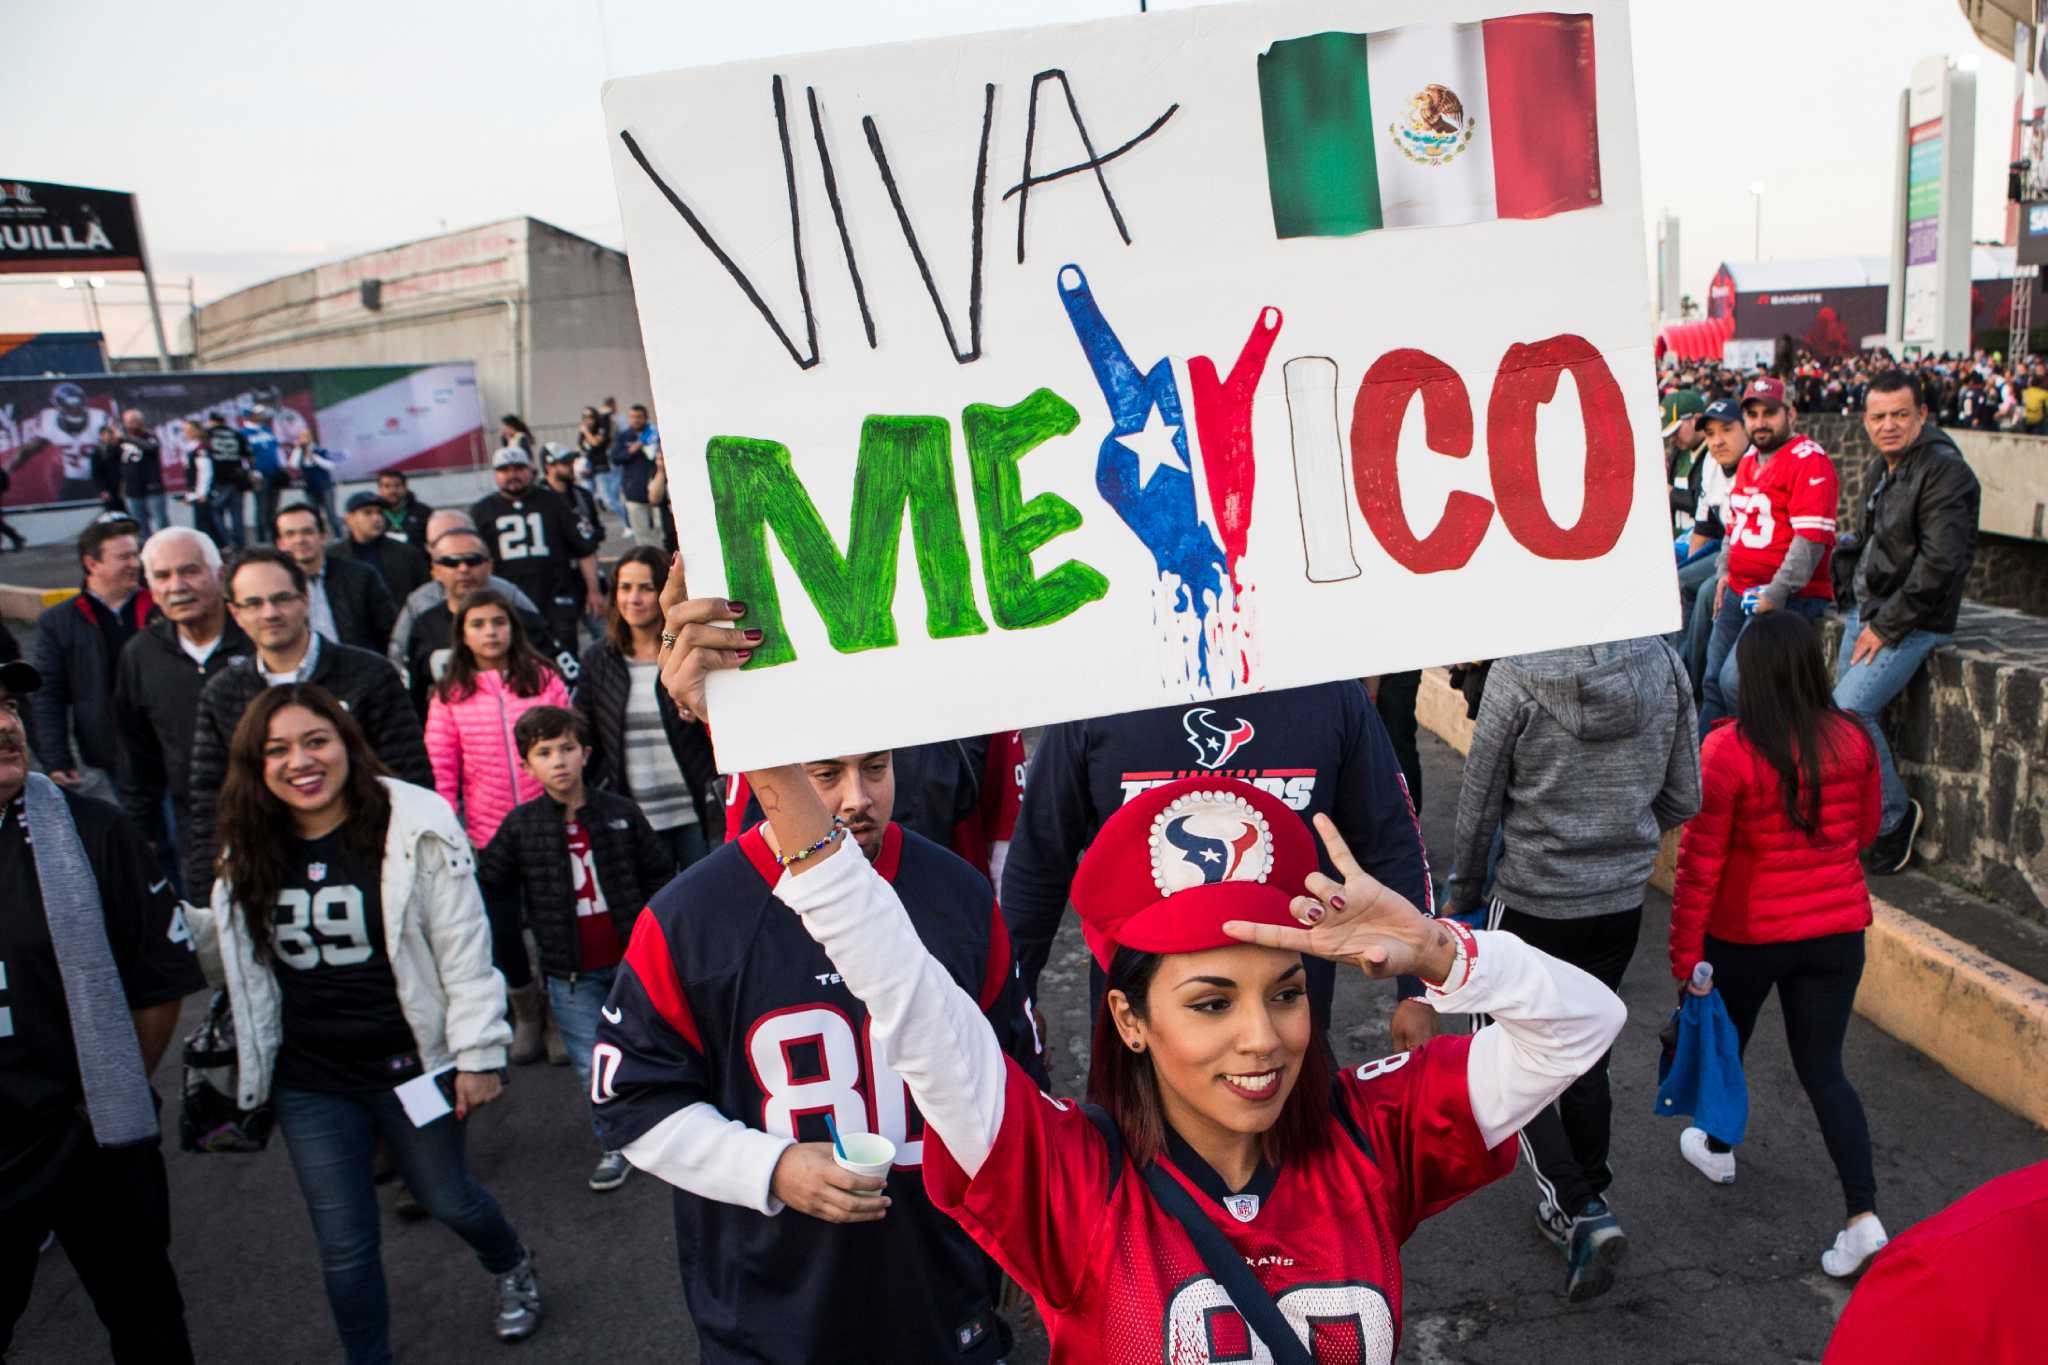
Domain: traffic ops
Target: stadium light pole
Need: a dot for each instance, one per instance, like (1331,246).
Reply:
(1756,194)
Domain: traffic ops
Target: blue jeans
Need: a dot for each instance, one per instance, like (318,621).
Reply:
(685,843)
(152,511)
(228,528)
(332,1139)
(1867,688)
(608,493)
(1690,576)
(1721,684)
(575,1002)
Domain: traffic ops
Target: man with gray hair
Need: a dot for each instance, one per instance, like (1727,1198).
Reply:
(158,678)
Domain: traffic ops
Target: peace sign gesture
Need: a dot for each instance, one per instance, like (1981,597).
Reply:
(1360,921)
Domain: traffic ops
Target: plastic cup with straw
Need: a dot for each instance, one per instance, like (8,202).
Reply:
(862,1153)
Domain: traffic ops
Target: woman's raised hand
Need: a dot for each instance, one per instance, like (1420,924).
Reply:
(697,637)
(1360,921)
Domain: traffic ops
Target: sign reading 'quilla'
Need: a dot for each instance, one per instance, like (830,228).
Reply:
(66,227)
(1075,370)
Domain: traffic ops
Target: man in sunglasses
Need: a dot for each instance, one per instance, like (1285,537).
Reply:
(266,591)
(461,565)
(444,582)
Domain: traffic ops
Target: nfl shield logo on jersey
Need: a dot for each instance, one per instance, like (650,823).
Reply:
(1243,1207)
(316,872)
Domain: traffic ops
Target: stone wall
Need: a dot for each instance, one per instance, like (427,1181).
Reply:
(1970,735)
(2009,571)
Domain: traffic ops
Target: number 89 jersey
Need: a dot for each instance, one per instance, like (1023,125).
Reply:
(724,1000)
(1793,495)
(343,1029)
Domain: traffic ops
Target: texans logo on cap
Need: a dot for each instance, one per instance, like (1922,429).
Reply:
(1207,837)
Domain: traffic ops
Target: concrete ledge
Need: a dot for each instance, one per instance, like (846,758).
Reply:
(1984,1022)
(18,603)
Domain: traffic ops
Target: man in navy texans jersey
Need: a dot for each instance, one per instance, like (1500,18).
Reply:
(729,1037)
(1320,749)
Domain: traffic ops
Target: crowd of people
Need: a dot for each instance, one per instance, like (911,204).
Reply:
(438,796)
(1982,391)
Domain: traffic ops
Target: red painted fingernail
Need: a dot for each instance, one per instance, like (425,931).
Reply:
(744,655)
(736,608)
(753,636)
(1336,902)
(1313,914)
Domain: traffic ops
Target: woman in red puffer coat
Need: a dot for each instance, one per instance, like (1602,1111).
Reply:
(494,677)
(1770,891)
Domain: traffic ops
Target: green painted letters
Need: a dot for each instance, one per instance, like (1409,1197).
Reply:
(997,438)
(903,460)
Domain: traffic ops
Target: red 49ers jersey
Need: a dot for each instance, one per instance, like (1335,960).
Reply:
(1118,1281)
(1793,495)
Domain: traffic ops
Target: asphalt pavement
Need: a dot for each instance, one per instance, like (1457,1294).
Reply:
(1728,1275)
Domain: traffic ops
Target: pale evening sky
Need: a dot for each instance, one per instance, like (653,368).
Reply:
(263,138)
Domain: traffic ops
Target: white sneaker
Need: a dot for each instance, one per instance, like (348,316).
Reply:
(1718,1167)
(1853,1248)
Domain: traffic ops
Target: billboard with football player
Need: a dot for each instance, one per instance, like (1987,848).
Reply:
(1073,370)
(367,417)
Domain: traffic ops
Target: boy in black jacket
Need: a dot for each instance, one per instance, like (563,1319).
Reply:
(588,862)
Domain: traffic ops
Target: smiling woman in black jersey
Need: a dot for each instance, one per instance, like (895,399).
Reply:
(348,930)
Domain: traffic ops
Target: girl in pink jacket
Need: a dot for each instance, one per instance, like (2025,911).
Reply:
(494,677)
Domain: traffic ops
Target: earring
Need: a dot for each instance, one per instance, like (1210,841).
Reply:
(1137,1045)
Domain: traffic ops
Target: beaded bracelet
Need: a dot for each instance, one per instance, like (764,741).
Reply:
(784,860)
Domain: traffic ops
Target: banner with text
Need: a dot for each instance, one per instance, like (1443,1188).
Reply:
(45,227)
(367,418)
(1021,377)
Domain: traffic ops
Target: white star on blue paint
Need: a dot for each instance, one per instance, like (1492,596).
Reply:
(1154,447)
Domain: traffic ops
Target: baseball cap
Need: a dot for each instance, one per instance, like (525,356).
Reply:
(1177,863)
(509,456)
(1764,389)
(1680,404)
(1723,410)
(18,678)
(554,454)
(359,500)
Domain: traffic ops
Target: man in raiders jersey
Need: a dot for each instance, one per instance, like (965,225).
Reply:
(726,1041)
(537,541)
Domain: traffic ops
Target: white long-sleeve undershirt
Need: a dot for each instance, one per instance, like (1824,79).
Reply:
(1551,1021)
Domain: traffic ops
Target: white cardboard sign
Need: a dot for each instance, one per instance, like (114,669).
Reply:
(1069,371)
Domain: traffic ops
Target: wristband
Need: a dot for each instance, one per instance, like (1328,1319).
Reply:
(832,836)
(1466,946)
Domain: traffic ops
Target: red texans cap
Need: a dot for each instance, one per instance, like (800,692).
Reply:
(1177,863)
(1764,389)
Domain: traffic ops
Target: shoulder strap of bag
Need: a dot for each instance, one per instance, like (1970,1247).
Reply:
(1229,1270)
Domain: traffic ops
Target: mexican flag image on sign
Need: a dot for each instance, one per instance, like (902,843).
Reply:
(1430,125)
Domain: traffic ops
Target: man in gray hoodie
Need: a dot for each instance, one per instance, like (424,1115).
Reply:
(1583,758)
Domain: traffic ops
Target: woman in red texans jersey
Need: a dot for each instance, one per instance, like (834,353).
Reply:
(1215,1086)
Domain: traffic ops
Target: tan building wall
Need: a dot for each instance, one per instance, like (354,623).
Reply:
(546,317)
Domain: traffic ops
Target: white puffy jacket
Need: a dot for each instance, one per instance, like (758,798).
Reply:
(435,931)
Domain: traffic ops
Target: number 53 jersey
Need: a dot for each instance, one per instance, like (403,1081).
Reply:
(726,1011)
